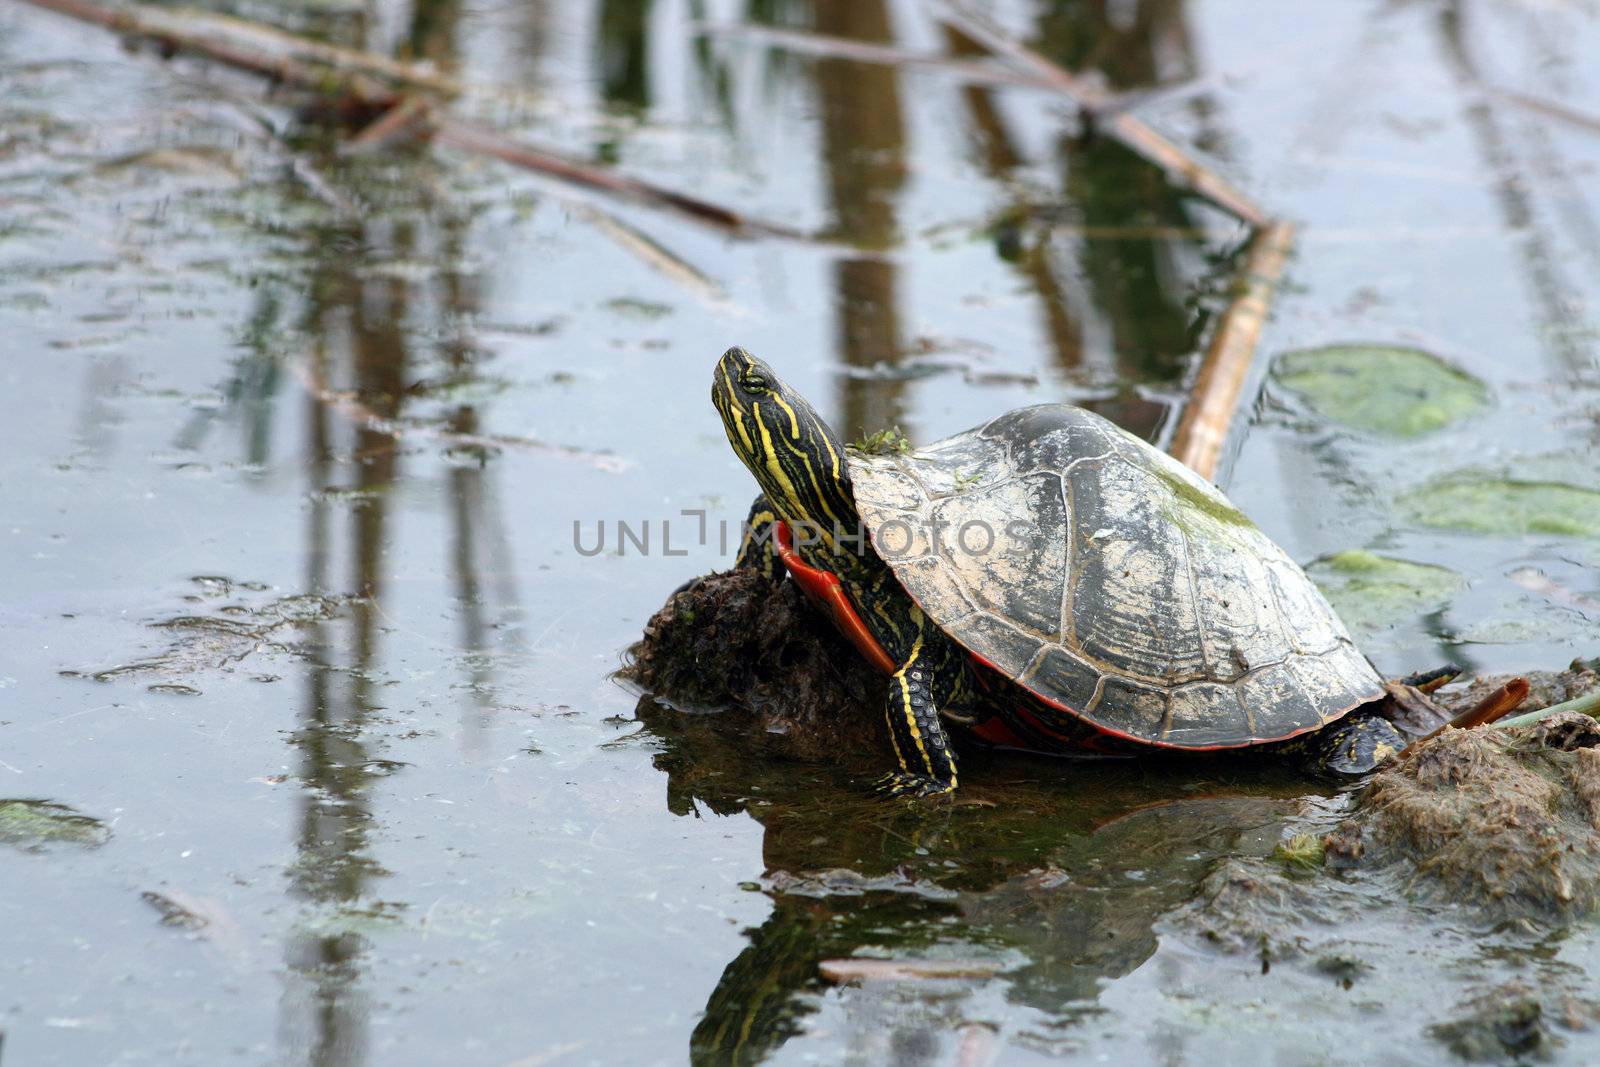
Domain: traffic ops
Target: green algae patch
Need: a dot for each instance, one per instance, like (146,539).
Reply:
(890,442)
(1506,507)
(1381,389)
(1372,592)
(34,823)
(1191,500)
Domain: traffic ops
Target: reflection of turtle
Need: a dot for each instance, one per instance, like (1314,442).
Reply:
(1050,582)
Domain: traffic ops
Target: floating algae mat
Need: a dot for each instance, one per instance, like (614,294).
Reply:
(1397,392)
(1491,504)
(1372,592)
(32,823)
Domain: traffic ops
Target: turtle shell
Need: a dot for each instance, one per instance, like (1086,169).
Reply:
(1110,581)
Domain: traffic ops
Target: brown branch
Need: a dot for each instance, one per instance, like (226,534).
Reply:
(399,121)
(1498,704)
(862,968)
(306,50)
(154,26)
(1588,704)
(1203,428)
(653,254)
(1131,131)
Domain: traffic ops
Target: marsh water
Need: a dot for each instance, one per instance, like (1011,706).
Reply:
(311,750)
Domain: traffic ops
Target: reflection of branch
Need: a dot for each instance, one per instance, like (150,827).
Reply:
(354,90)
(1548,108)
(1549,287)
(818,44)
(403,120)
(1124,127)
(368,419)
(470,137)
(652,253)
(1203,428)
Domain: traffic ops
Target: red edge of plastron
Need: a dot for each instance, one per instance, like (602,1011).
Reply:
(823,590)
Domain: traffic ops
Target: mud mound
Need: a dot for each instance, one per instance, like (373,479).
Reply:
(1250,905)
(1515,1021)
(735,639)
(1506,819)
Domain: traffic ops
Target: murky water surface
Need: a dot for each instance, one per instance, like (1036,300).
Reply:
(314,686)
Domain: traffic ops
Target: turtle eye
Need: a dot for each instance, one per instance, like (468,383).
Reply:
(753,383)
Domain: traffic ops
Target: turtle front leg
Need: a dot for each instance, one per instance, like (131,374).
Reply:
(757,550)
(921,747)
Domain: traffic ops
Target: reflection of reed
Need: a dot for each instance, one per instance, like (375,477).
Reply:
(1553,296)
(999,156)
(357,325)
(324,1012)
(468,498)
(863,150)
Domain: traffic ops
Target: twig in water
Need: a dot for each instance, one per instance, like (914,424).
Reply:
(354,90)
(1203,427)
(1503,701)
(139,21)
(399,121)
(1547,108)
(652,253)
(306,50)
(470,137)
(858,968)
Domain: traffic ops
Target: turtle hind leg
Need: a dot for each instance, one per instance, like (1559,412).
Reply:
(921,746)
(1355,745)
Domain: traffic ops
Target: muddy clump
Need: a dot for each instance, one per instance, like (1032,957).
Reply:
(1249,905)
(1505,819)
(1514,1020)
(738,640)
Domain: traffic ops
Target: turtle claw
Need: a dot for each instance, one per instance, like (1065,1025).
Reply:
(917,786)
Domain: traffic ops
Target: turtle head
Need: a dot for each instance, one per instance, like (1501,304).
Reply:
(797,458)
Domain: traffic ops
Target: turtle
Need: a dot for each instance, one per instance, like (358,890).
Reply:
(1047,581)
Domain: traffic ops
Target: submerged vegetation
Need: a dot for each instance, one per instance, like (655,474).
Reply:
(1373,592)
